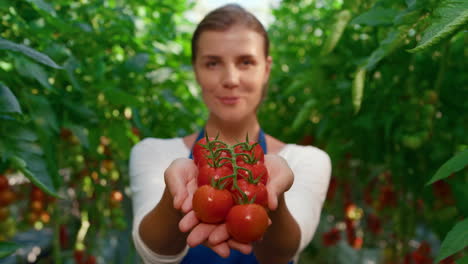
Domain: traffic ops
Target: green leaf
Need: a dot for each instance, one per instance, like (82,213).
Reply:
(43,6)
(70,65)
(119,97)
(449,17)
(376,16)
(410,3)
(296,85)
(459,188)
(389,44)
(43,114)
(337,30)
(8,101)
(80,110)
(37,174)
(27,51)
(32,70)
(358,88)
(4,4)
(456,240)
(408,16)
(456,163)
(304,114)
(463,260)
(7,248)
(138,62)
(21,133)
(118,137)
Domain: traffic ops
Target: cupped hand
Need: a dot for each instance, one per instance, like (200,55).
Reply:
(214,236)
(181,181)
(280,180)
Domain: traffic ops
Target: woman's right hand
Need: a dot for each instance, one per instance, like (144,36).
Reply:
(181,182)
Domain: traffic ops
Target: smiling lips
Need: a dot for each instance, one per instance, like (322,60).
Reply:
(229,100)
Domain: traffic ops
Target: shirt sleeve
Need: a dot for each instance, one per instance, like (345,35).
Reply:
(148,161)
(312,170)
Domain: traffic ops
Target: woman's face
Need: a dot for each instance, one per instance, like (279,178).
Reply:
(232,70)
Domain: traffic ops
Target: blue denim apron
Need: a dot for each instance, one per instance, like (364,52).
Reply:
(204,255)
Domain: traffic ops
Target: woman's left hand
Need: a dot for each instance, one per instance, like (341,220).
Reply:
(280,179)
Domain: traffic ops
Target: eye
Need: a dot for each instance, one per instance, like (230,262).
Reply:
(247,62)
(211,64)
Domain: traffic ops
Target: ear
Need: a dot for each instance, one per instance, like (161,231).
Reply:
(268,64)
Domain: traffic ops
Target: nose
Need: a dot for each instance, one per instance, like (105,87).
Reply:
(230,77)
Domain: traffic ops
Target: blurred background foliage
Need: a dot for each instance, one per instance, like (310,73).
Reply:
(378,84)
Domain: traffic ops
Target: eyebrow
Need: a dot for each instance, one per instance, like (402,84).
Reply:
(242,56)
(211,57)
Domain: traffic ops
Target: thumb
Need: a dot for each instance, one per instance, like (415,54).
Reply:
(272,197)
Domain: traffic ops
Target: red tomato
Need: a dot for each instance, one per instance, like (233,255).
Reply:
(206,173)
(331,237)
(3,182)
(202,154)
(79,256)
(91,260)
(211,205)
(37,194)
(256,193)
(6,197)
(200,151)
(247,222)
(4,213)
(258,170)
(252,152)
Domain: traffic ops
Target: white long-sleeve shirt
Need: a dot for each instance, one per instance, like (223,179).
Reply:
(150,158)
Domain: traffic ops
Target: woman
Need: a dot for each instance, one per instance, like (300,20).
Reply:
(232,66)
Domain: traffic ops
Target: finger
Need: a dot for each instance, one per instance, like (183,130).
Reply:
(199,234)
(221,249)
(191,188)
(244,248)
(219,234)
(188,222)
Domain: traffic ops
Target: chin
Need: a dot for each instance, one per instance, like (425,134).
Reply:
(233,116)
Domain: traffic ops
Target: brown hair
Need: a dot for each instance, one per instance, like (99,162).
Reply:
(223,18)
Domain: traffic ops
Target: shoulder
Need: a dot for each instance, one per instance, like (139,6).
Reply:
(274,145)
(152,146)
(298,154)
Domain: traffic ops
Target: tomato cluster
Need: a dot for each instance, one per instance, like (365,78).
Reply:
(232,187)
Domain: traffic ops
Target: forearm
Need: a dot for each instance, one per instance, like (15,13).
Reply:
(282,237)
(159,229)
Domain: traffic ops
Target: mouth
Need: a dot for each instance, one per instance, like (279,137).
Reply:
(229,100)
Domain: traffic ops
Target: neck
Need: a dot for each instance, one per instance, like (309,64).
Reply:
(233,133)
